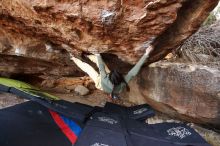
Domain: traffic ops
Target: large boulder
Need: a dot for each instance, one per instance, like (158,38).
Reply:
(123,28)
(185,91)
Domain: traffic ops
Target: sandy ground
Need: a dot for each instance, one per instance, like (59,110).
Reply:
(98,98)
(7,100)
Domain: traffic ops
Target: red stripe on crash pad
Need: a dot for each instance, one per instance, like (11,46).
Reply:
(64,127)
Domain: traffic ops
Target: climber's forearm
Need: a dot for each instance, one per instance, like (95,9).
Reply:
(134,71)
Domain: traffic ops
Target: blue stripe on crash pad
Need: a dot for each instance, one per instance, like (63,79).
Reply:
(73,126)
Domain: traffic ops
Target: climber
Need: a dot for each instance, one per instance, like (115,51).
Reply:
(113,82)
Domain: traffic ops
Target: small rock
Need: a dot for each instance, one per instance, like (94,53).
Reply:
(48,83)
(81,90)
(91,86)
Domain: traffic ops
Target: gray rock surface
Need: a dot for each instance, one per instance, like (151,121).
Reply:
(185,91)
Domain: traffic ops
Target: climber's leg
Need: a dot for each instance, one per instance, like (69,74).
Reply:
(93,58)
(86,68)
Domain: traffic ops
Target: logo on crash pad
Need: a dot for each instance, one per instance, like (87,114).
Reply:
(179,132)
(99,144)
(140,111)
(107,120)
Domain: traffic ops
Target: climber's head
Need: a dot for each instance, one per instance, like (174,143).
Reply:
(117,78)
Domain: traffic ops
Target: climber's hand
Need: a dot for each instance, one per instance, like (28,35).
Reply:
(149,49)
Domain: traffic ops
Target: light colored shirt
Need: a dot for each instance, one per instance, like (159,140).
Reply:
(105,84)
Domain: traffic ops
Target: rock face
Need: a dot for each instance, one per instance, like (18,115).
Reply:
(48,30)
(123,28)
(10,64)
(189,92)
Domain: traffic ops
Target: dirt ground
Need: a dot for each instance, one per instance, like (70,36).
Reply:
(98,98)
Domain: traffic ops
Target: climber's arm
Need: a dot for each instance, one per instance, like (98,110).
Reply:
(86,68)
(134,71)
